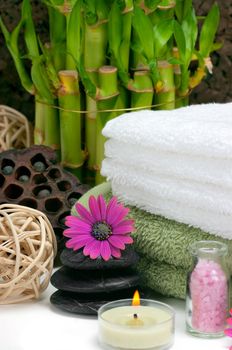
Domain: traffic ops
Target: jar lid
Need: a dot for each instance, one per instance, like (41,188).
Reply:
(208,248)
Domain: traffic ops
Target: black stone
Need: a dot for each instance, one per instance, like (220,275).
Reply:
(78,261)
(71,280)
(86,304)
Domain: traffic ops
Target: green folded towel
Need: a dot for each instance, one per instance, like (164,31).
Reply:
(163,278)
(163,245)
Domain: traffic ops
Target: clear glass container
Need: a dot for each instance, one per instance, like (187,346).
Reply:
(207,299)
(149,325)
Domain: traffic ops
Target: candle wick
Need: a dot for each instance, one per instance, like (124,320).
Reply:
(135,316)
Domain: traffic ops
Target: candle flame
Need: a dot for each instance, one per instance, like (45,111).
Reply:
(136,299)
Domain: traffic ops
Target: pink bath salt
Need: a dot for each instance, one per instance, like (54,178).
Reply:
(208,289)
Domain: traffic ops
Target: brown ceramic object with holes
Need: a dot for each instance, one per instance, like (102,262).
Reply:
(32,177)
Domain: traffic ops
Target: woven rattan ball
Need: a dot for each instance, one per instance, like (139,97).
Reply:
(27,250)
(14,129)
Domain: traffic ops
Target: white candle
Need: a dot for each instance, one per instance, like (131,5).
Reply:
(149,326)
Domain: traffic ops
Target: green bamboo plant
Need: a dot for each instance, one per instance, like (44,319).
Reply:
(106,56)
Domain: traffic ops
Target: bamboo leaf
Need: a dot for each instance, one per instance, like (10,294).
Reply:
(180,40)
(50,69)
(102,10)
(162,33)
(174,60)
(190,30)
(144,29)
(89,86)
(182,9)
(74,37)
(53,3)
(115,30)
(40,79)
(90,11)
(29,30)
(152,4)
(11,40)
(125,4)
(216,46)
(209,30)
(57,23)
(187,8)
(179,10)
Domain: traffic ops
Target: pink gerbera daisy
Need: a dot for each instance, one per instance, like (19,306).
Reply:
(228,331)
(101,231)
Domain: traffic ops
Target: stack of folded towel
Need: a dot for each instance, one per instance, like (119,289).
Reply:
(177,164)
(163,246)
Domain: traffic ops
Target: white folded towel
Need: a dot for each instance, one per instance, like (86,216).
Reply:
(214,199)
(200,130)
(217,224)
(200,169)
(175,163)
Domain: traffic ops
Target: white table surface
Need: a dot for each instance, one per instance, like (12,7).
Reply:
(38,325)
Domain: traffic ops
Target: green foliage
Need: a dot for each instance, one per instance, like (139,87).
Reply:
(29,30)
(40,79)
(162,32)
(182,8)
(11,40)
(209,30)
(144,29)
(74,36)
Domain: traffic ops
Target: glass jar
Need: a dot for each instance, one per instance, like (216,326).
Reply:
(207,299)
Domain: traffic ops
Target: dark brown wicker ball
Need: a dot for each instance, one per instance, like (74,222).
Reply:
(32,177)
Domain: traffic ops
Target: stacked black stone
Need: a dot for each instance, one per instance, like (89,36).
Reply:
(84,284)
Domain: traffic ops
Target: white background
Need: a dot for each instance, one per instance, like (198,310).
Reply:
(38,325)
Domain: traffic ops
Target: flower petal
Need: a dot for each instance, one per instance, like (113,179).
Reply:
(69,234)
(105,250)
(120,230)
(124,222)
(116,241)
(73,221)
(102,207)
(95,249)
(228,332)
(126,239)
(84,213)
(78,242)
(91,245)
(72,233)
(94,208)
(118,214)
(115,252)
(229,321)
(110,208)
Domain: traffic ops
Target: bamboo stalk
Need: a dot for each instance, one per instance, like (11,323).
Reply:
(124,53)
(167,4)
(52,125)
(165,93)
(142,91)
(90,126)
(72,155)
(177,80)
(106,100)
(95,44)
(39,129)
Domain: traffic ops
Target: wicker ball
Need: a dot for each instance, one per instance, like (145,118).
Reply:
(27,250)
(14,129)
